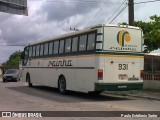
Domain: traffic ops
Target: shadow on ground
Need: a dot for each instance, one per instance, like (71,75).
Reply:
(53,94)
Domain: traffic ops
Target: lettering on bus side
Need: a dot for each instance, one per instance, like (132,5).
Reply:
(60,63)
(123,48)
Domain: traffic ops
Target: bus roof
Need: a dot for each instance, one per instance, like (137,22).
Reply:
(88,29)
(113,25)
(64,36)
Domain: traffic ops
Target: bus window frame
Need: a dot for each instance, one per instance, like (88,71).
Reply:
(50,50)
(30,54)
(42,45)
(54,47)
(69,38)
(94,41)
(45,49)
(62,47)
(84,42)
(77,44)
(77,52)
(37,55)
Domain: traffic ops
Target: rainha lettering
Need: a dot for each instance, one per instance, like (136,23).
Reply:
(60,63)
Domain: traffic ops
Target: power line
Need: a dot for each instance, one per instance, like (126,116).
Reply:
(115,12)
(147,2)
(89,1)
(83,8)
(14,45)
(75,1)
(98,12)
(118,14)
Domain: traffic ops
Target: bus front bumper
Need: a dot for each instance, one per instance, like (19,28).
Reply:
(118,86)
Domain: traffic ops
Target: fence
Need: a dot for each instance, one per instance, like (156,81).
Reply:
(151,76)
(151,67)
(151,72)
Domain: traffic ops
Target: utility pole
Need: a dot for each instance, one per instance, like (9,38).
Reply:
(131,12)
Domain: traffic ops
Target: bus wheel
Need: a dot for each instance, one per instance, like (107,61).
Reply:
(4,80)
(62,85)
(28,79)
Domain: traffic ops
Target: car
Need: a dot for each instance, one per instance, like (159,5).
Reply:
(11,74)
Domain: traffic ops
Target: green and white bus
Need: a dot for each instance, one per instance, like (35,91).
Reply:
(98,58)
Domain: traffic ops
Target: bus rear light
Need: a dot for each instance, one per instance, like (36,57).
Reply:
(100,74)
(142,73)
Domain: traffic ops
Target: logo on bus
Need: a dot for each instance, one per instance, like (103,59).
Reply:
(122,37)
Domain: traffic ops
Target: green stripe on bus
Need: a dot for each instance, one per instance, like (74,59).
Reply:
(120,53)
(98,41)
(118,87)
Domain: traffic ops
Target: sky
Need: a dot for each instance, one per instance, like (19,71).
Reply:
(49,18)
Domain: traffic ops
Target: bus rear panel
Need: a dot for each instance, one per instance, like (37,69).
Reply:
(120,59)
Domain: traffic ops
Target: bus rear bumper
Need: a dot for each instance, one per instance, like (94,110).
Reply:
(118,86)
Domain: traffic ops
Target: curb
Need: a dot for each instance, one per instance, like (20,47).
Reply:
(124,94)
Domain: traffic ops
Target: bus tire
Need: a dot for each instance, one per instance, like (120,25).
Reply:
(4,80)
(62,85)
(28,79)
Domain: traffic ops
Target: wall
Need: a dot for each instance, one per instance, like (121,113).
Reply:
(151,85)
(151,81)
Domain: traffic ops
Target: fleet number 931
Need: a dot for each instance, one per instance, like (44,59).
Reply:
(123,66)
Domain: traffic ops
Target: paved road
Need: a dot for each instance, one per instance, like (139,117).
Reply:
(17,96)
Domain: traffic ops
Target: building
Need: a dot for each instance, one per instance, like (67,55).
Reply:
(151,72)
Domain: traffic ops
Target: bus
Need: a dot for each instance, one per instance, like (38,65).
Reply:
(96,59)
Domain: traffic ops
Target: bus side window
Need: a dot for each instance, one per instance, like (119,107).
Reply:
(61,47)
(74,44)
(46,49)
(30,51)
(34,51)
(50,48)
(24,56)
(68,45)
(37,50)
(41,49)
(56,46)
(26,52)
(91,41)
(82,43)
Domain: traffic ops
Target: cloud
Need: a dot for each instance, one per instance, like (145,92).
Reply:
(5,52)
(49,19)
(16,31)
(59,11)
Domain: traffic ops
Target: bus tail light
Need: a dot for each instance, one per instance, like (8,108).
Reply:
(142,73)
(100,74)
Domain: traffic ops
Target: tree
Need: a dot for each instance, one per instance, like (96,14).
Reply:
(13,61)
(151,32)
